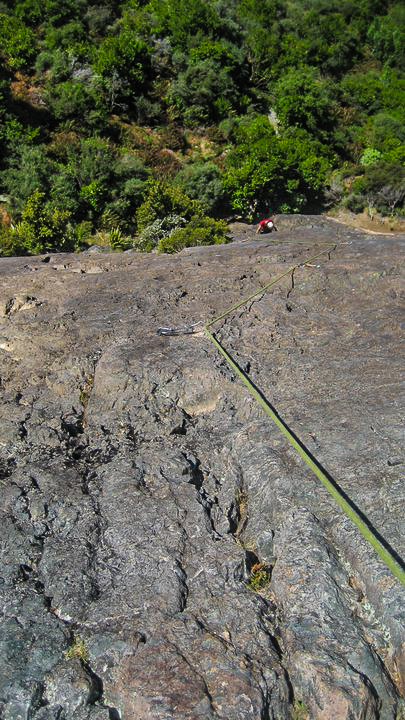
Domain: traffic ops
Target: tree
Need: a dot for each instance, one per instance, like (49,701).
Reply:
(183,20)
(265,171)
(203,183)
(29,170)
(165,199)
(18,42)
(387,37)
(304,100)
(42,227)
(123,63)
(210,85)
(333,43)
(263,34)
(254,166)
(73,99)
(363,90)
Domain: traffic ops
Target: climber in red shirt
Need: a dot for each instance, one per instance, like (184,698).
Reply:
(265,226)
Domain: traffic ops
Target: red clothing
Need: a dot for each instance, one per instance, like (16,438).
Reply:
(264,223)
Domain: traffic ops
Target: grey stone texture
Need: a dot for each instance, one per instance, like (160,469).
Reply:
(142,487)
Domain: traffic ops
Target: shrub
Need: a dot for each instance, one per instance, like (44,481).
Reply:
(355,203)
(386,133)
(300,711)
(44,227)
(97,19)
(201,230)
(94,162)
(58,62)
(72,99)
(30,12)
(67,36)
(83,233)
(93,194)
(123,63)
(18,42)
(157,231)
(305,100)
(265,169)
(182,20)
(203,183)
(387,36)
(118,240)
(363,90)
(173,137)
(78,651)
(371,156)
(379,175)
(134,189)
(203,93)
(164,199)
(59,13)
(260,577)
(29,170)
(10,242)
(390,197)
(334,191)
(227,128)
(382,186)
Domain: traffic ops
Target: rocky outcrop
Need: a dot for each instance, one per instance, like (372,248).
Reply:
(165,553)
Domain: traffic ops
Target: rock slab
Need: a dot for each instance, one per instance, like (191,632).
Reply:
(164,552)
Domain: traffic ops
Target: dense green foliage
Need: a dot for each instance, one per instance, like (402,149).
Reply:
(146,122)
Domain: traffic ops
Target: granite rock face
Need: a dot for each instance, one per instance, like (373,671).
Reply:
(165,554)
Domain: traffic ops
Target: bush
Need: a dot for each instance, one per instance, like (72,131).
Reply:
(160,229)
(387,36)
(18,42)
(66,36)
(363,90)
(203,183)
(10,242)
(57,62)
(83,232)
(43,227)
(371,156)
(30,12)
(355,203)
(164,199)
(285,171)
(97,19)
(387,134)
(203,93)
(124,64)
(173,138)
(29,170)
(118,240)
(380,175)
(260,577)
(201,230)
(74,99)
(382,186)
(93,181)
(304,100)
(182,20)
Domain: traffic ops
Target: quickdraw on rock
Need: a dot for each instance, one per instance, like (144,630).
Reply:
(186,330)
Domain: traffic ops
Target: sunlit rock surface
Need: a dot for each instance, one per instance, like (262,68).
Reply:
(143,490)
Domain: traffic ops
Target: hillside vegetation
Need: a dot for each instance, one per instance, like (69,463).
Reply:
(146,124)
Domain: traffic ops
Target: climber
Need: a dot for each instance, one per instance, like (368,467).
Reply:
(265,226)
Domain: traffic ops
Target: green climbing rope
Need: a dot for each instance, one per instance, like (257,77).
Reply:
(355,516)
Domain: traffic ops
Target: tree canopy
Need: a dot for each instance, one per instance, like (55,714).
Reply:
(240,106)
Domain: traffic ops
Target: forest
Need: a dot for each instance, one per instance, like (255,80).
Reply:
(149,124)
